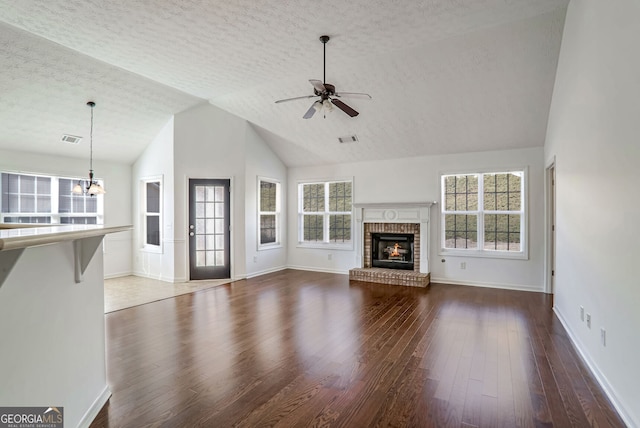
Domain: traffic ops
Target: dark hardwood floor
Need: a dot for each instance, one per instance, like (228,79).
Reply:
(303,349)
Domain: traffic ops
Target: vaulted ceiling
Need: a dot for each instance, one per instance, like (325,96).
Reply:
(445,76)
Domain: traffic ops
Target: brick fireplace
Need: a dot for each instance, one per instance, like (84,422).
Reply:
(387,219)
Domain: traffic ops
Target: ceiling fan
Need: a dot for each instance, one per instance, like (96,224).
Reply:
(327,93)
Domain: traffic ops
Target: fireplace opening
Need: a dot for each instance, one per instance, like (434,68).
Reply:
(392,250)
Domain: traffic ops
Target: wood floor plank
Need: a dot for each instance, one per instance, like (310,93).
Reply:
(309,349)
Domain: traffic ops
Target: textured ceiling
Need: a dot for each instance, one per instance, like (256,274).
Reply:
(446,76)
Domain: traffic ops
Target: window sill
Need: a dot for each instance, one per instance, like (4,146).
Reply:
(325,246)
(152,249)
(484,254)
(262,247)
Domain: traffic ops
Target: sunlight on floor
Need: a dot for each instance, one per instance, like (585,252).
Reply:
(128,291)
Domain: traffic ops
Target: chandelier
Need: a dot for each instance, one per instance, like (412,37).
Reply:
(90,187)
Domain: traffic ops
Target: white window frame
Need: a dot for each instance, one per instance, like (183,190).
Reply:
(326,243)
(523,254)
(276,213)
(151,248)
(54,213)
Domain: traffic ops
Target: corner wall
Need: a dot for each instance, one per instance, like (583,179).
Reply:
(593,136)
(155,161)
(262,162)
(209,143)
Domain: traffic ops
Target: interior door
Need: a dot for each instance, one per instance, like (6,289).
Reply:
(209,237)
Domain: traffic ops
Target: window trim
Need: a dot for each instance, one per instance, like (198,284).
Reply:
(326,244)
(523,254)
(277,213)
(146,247)
(54,214)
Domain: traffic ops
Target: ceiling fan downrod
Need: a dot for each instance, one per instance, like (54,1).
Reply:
(324,40)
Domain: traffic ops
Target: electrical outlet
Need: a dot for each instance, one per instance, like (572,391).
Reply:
(588,320)
(603,336)
(255,259)
(582,313)
(329,256)
(463,265)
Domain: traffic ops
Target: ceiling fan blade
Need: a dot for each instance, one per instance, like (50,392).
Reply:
(345,108)
(295,98)
(312,110)
(353,94)
(318,85)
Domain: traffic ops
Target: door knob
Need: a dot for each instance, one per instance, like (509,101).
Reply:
(191,234)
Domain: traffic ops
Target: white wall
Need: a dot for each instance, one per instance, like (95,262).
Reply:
(209,143)
(262,162)
(420,183)
(117,201)
(155,161)
(593,135)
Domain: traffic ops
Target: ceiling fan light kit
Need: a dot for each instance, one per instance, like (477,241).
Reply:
(326,92)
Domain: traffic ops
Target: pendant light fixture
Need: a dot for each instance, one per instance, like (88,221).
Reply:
(90,187)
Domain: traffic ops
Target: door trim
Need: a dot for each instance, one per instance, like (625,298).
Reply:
(550,208)
(185,222)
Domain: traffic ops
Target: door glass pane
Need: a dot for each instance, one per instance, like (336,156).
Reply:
(219,193)
(219,224)
(199,193)
(219,258)
(210,212)
(219,242)
(200,244)
(211,242)
(200,209)
(211,226)
(199,226)
(219,210)
(211,258)
(200,258)
(210,194)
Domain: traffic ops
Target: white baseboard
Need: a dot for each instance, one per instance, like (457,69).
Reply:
(517,287)
(159,277)
(316,269)
(265,271)
(600,377)
(118,275)
(95,408)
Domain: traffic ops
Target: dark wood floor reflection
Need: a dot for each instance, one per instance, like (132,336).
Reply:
(301,349)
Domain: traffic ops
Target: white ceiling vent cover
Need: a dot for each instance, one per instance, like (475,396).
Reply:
(348,139)
(71,139)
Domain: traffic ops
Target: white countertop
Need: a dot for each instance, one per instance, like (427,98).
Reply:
(13,238)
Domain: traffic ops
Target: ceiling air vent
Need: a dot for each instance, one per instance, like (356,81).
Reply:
(71,139)
(348,139)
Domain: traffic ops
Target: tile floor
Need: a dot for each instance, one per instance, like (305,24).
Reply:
(128,291)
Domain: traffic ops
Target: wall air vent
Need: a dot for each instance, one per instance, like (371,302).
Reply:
(348,139)
(71,139)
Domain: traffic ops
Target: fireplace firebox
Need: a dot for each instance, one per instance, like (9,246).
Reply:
(392,250)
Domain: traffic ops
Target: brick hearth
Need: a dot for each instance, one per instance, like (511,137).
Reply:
(390,276)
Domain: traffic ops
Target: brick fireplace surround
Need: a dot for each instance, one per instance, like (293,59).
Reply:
(393,218)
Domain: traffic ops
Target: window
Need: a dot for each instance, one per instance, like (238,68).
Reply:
(268,213)
(484,214)
(151,204)
(325,213)
(30,198)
